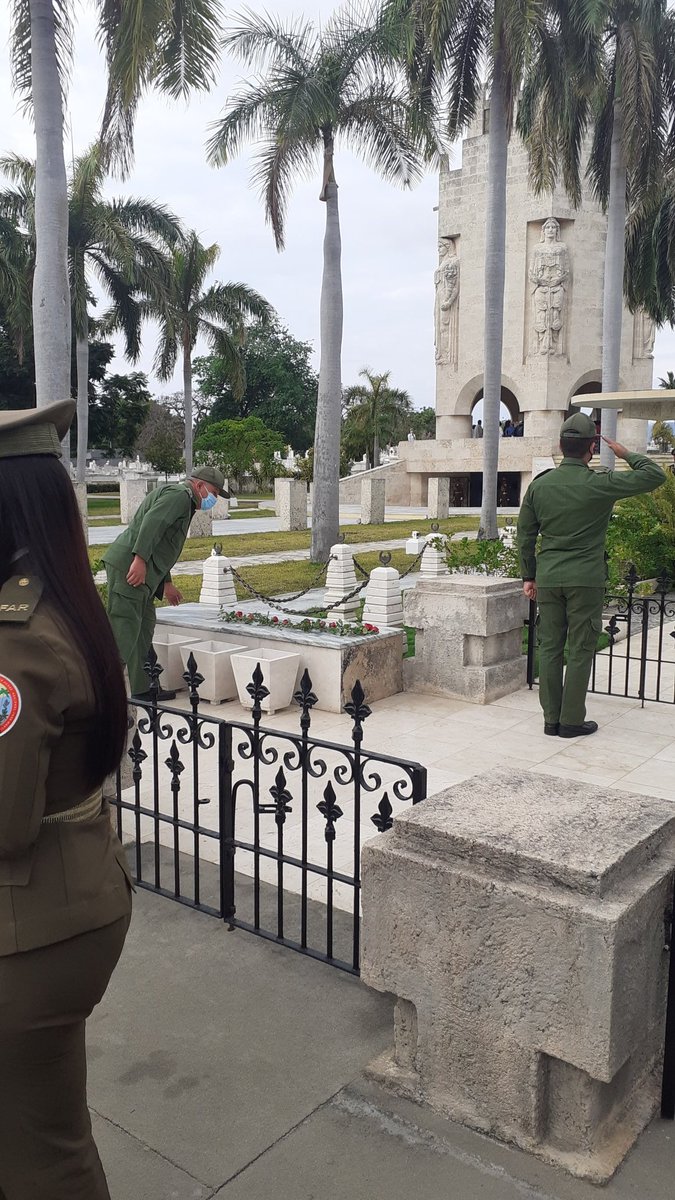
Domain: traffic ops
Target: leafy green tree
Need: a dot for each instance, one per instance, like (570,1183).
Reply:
(218,313)
(309,90)
(423,422)
(663,436)
(239,448)
(281,386)
(380,411)
(160,441)
(120,409)
(172,45)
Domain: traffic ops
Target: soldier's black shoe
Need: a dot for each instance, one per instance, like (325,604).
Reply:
(551,729)
(570,731)
(147,697)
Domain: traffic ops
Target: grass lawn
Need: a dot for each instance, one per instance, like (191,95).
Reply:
(236,514)
(268,543)
(103,506)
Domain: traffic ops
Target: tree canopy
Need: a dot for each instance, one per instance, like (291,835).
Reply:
(239,448)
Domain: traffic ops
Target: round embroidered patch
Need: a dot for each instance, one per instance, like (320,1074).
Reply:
(10,704)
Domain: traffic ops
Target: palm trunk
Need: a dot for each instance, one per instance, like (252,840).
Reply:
(82,360)
(187,397)
(495,259)
(326,505)
(612,302)
(376,448)
(51,293)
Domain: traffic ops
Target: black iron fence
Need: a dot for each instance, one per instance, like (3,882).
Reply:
(636,651)
(260,827)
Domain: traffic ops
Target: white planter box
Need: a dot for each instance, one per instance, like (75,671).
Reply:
(167,648)
(280,672)
(213,662)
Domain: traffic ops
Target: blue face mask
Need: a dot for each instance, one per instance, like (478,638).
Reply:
(208,502)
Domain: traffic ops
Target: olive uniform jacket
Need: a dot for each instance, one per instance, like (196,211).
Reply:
(58,878)
(570,507)
(156,533)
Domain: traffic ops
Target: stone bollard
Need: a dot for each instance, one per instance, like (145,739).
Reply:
(383,604)
(133,490)
(469,637)
(373,501)
(218,583)
(201,525)
(433,563)
(80,490)
(518,919)
(290,499)
(340,579)
(438,501)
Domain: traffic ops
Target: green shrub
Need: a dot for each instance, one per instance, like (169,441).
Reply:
(642,532)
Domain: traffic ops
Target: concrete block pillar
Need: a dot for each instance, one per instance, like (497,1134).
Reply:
(290,498)
(373,501)
(469,637)
(340,580)
(201,525)
(383,604)
(133,490)
(80,490)
(438,497)
(518,919)
(218,583)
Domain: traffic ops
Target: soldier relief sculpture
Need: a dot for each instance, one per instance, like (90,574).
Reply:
(446,326)
(549,276)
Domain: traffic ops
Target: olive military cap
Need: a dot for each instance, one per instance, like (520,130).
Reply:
(578,426)
(213,476)
(35,430)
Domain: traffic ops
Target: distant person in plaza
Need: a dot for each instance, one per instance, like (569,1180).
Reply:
(570,507)
(65,894)
(478,429)
(508,428)
(139,564)
(671,468)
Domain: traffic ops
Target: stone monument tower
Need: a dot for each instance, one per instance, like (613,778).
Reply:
(552,325)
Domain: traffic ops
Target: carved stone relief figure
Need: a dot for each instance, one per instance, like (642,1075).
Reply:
(549,276)
(446,322)
(644,333)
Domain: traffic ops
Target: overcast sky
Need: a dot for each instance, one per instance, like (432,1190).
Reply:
(388,236)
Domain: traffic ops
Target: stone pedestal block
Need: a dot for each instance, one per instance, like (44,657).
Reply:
(133,490)
(290,498)
(383,605)
(217,583)
(201,525)
(340,580)
(438,502)
(372,501)
(434,563)
(469,636)
(519,919)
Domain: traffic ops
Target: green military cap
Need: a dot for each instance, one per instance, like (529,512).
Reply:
(35,430)
(578,426)
(213,476)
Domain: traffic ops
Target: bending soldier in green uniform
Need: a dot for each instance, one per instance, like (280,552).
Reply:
(570,508)
(139,562)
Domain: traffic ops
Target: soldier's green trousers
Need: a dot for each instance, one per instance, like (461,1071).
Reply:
(132,615)
(572,615)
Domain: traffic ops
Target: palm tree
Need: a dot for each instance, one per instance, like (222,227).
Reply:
(217,313)
(122,243)
(668,381)
(316,88)
(377,410)
(448,50)
(171,44)
(623,86)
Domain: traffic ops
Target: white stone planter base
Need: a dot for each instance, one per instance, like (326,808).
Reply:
(213,662)
(280,672)
(168,648)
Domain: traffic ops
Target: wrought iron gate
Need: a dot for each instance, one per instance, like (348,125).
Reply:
(639,658)
(261,827)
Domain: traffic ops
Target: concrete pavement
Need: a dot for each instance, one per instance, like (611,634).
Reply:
(224,1066)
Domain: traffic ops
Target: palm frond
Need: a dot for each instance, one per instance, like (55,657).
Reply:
(378,129)
(276,165)
(260,39)
(21,56)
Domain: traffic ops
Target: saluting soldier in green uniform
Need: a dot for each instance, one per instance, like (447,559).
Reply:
(570,508)
(139,563)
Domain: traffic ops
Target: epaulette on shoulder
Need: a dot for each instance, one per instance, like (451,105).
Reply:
(601,470)
(541,474)
(19,598)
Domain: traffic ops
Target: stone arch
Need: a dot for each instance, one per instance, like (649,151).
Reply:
(587,385)
(472,392)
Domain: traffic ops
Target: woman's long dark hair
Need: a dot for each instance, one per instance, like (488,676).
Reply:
(39,514)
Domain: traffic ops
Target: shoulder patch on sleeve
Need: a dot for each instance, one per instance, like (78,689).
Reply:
(10,704)
(19,598)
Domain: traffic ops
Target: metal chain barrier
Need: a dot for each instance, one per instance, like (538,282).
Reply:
(360,569)
(294,612)
(295,596)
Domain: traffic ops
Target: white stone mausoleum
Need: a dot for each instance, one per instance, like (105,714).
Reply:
(552,329)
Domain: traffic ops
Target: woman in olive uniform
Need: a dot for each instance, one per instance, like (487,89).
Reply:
(64,886)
